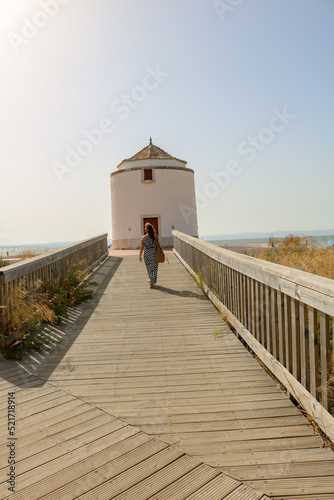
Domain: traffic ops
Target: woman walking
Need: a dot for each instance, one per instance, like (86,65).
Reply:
(149,247)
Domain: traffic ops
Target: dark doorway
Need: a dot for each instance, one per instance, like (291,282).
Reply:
(153,221)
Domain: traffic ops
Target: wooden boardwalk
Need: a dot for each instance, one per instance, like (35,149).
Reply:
(149,395)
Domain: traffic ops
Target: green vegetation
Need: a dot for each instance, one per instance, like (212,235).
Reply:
(27,307)
(20,348)
(3,263)
(30,305)
(200,278)
(70,289)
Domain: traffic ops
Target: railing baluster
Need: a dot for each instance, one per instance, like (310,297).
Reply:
(287,332)
(304,347)
(274,323)
(268,322)
(262,313)
(295,339)
(314,351)
(280,312)
(44,269)
(249,304)
(288,312)
(324,358)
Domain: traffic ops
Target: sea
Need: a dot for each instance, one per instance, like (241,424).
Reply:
(220,240)
(319,240)
(17,250)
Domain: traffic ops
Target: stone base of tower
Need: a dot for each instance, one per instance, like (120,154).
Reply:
(134,243)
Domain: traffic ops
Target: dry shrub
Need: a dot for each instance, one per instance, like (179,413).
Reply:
(27,307)
(293,241)
(28,253)
(300,253)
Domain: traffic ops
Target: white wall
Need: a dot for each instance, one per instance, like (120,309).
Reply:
(132,199)
(152,163)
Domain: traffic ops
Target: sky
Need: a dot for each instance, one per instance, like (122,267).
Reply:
(240,89)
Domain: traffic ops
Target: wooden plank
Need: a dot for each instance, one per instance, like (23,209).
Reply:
(187,401)
(43,469)
(293,486)
(247,412)
(268,457)
(188,484)
(324,359)
(249,304)
(244,492)
(258,310)
(59,483)
(304,347)
(227,424)
(244,299)
(288,333)
(216,489)
(253,308)
(268,344)
(314,352)
(122,411)
(280,328)
(274,323)
(280,471)
(124,481)
(310,497)
(212,436)
(29,436)
(161,479)
(91,475)
(262,314)
(50,448)
(251,445)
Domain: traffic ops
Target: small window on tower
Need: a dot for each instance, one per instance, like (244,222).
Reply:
(148,176)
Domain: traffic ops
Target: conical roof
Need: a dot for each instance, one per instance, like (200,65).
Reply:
(152,152)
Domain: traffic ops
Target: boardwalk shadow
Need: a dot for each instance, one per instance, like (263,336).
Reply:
(40,365)
(182,293)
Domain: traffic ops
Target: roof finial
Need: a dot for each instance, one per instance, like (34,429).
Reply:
(150,141)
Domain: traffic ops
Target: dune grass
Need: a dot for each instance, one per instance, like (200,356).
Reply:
(299,253)
(30,305)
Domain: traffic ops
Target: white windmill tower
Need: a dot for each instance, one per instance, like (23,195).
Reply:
(152,186)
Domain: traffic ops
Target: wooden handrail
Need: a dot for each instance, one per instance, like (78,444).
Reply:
(313,290)
(20,269)
(45,268)
(285,316)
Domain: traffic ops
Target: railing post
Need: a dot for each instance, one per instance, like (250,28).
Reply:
(2,316)
(324,355)
(46,268)
(293,335)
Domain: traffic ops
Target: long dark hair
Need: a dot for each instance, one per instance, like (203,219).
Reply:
(150,231)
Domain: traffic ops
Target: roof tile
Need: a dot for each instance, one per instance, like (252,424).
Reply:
(152,152)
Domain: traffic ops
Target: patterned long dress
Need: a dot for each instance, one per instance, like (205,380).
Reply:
(150,249)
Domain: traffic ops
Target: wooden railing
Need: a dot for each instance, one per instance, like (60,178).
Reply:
(46,268)
(283,314)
